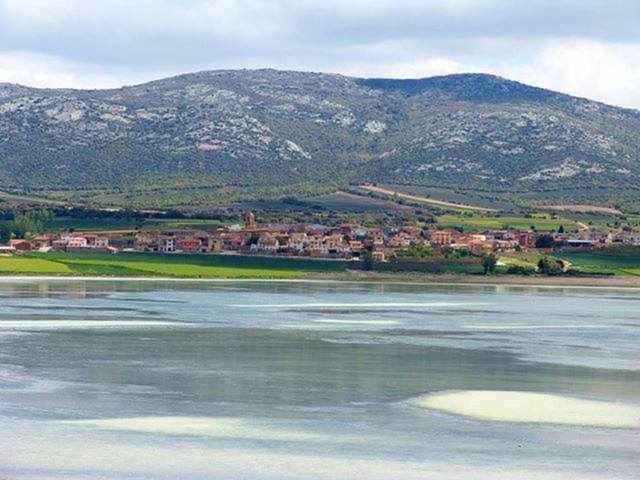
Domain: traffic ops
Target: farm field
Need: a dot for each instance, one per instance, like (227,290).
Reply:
(165,265)
(462,197)
(519,223)
(332,202)
(396,194)
(619,261)
(114,224)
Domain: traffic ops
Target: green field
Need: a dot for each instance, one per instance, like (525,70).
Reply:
(619,261)
(476,223)
(113,223)
(164,265)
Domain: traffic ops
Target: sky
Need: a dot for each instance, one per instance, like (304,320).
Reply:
(588,48)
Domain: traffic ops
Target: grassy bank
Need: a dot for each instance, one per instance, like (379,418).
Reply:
(164,265)
(622,262)
(619,261)
(504,223)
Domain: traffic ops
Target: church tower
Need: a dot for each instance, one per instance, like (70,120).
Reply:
(249,221)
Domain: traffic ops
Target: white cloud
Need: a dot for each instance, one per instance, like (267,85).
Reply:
(590,51)
(45,71)
(600,71)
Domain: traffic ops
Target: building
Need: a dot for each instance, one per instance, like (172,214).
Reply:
(441,237)
(233,242)
(250,221)
(188,244)
(266,244)
(166,244)
(356,247)
(20,245)
(378,256)
(77,242)
(298,242)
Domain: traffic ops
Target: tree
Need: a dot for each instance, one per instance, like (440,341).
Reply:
(5,233)
(32,221)
(545,241)
(367,260)
(550,266)
(561,229)
(489,263)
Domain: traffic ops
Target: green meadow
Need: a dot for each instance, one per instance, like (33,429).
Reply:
(475,223)
(164,265)
(619,261)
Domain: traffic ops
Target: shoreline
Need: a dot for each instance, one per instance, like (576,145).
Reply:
(601,283)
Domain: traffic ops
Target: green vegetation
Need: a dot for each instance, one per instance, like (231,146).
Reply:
(31,222)
(165,265)
(475,223)
(25,223)
(618,261)
(19,228)
(423,258)
(323,142)
(489,263)
(550,266)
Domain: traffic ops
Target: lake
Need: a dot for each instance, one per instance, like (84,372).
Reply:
(310,380)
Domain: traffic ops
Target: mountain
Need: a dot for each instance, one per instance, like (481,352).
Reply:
(228,135)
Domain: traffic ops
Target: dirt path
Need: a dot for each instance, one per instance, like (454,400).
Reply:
(582,226)
(426,200)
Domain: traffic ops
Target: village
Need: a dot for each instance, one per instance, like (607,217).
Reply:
(347,241)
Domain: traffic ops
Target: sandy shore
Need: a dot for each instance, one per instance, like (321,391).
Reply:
(628,283)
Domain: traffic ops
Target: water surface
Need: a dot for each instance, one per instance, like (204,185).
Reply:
(296,380)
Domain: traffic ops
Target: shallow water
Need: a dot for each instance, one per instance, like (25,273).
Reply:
(258,380)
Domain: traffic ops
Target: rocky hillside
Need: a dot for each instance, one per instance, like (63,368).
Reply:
(225,135)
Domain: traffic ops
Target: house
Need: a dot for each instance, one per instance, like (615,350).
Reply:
(146,241)
(335,245)
(77,242)
(233,242)
(97,241)
(210,244)
(298,242)
(526,239)
(378,255)
(188,244)
(42,242)
(266,244)
(59,245)
(400,240)
(166,244)
(315,245)
(441,237)
(377,241)
(356,247)
(20,245)
(631,238)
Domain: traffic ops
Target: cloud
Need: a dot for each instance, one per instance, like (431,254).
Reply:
(607,72)
(587,48)
(46,71)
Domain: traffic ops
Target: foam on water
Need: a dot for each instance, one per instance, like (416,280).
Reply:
(215,427)
(527,407)
(71,324)
(359,322)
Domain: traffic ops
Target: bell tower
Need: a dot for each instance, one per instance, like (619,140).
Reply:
(249,221)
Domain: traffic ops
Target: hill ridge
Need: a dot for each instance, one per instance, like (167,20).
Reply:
(267,133)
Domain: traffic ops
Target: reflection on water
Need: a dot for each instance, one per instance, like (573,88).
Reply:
(306,380)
